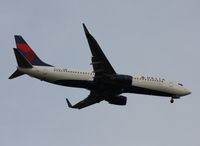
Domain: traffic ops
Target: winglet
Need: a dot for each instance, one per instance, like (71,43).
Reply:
(85,29)
(69,104)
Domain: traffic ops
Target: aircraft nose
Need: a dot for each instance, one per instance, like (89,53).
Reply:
(187,92)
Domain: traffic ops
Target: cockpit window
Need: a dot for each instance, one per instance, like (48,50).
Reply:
(180,84)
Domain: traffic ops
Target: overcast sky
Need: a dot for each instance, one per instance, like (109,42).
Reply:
(155,38)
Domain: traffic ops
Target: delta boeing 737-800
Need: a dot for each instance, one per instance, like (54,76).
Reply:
(104,83)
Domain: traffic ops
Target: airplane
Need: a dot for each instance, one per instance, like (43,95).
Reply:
(104,83)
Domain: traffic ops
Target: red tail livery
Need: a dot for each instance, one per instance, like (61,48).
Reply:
(28,53)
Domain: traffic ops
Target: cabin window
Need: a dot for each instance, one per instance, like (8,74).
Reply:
(180,84)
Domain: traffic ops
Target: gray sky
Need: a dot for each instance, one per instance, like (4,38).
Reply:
(156,38)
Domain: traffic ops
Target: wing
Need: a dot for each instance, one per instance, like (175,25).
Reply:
(90,100)
(100,63)
(101,68)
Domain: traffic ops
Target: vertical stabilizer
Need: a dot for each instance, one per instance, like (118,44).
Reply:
(28,53)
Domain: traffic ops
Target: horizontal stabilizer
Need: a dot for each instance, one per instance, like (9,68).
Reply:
(16,74)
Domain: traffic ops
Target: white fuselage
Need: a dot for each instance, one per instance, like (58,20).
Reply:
(140,83)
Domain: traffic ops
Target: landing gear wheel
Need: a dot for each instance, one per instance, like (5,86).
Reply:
(172,100)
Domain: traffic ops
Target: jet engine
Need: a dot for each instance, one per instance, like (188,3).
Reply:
(124,80)
(117,100)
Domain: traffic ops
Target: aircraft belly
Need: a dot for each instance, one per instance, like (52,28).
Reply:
(146,91)
(75,83)
(150,89)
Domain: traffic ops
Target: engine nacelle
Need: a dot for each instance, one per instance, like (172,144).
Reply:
(117,100)
(125,80)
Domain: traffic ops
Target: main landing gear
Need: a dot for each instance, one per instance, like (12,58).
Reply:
(172,100)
